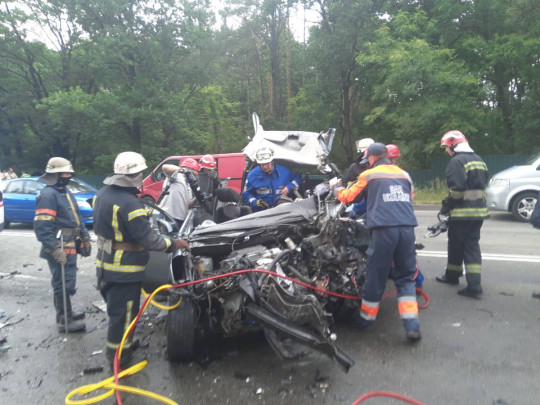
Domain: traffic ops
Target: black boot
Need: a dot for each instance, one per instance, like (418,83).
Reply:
(447,280)
(72,325)
(474,287)
(76,316)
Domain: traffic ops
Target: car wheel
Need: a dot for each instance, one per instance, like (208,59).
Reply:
(523,206)
(181,331)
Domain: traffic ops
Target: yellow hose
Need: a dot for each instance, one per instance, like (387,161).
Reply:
(109,384)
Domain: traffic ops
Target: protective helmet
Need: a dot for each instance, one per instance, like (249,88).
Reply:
(362,144)
(208,162)
(129,163)
(191,164)
(59,165)
(264,155)
(393,151)
(452,138)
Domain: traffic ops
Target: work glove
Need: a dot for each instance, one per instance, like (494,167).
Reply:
(85,249)
(59,255)
(334,182)
(262,204)
(445,209)
(180,244)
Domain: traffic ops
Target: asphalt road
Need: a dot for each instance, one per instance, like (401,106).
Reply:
(472,351)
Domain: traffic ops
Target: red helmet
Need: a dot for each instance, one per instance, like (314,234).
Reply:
(208,162)
(393,151)
(452,138)
(191,164)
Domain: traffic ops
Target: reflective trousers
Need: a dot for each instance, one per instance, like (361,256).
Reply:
(464,248)
(123,300)
(386,245)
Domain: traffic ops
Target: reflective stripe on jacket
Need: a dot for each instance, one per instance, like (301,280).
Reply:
(389,196)
(120,216)
(467,177)
(56,208)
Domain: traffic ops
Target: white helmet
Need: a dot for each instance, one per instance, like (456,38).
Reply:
(264,155)
(59,165)
(129,163)
(363,144)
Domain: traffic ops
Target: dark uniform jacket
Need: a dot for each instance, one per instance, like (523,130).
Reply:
(124,235)
(57,209)
(467,177)
(389,195)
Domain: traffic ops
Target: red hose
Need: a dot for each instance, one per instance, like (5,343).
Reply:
(116,361)
(387,394)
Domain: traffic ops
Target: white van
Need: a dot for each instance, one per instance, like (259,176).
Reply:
(516,189)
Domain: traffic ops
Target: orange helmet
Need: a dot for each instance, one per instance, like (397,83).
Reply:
(393,151)
(208,162)
(191,164)
(452,138)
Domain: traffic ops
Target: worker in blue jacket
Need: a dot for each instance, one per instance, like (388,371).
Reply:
(268,182)
(59,227)
(391,219)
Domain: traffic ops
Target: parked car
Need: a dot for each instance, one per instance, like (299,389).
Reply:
(230,167)
(20,199)
(1,211)
(516,189)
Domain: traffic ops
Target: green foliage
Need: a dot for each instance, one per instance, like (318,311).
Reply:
(434,193)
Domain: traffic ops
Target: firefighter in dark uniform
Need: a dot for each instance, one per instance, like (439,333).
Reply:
(59,227)
(124,238)
(467,177)
(391,219)
(360,164)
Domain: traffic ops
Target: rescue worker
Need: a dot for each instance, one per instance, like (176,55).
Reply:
(59,227)
(467,177)
(268,182)
(124,239)
(393,153)
(391,219)
(209,168)
(360,164)
(178,198)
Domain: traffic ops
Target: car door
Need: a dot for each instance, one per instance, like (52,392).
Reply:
(13,195)
(31,190)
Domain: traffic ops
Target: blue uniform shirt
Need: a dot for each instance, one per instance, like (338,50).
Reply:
(268,187)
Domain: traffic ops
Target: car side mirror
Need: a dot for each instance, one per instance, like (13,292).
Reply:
(160,176)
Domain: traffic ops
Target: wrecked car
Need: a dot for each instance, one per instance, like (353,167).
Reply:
(290,271)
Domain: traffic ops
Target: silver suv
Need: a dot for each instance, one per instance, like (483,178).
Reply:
(516,189)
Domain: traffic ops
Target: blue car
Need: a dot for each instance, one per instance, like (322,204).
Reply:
(20,199)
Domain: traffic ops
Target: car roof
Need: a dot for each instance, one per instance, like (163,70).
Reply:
(301,149)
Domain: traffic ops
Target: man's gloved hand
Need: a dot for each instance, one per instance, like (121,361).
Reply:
(86,247)
(59,255)
(334,182)
(181,244)
(191,178)
(262,204)
(445,209)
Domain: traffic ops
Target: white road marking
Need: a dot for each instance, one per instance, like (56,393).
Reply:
(485,256)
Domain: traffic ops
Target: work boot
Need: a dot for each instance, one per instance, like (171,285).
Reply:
(471,292)
(72,325)
(536,294)
(413,335)
(447,280)
(76,316)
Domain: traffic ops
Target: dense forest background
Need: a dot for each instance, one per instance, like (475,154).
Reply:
(167,77)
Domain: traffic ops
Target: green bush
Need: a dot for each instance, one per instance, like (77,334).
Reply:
(434,193)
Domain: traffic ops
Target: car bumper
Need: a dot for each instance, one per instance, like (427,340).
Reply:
(497,198)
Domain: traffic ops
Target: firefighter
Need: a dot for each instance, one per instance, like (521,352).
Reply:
(209,168)
(391,219)
(467,177)
(393,153)
(59,227)
(360,164)
(124,239)
(268,182)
